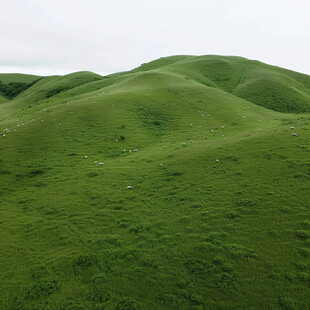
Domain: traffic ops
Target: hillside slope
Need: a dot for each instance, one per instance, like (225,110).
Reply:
(11,84)
(271,87)
(201,200)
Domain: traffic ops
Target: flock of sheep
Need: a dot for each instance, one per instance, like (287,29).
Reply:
(8,130)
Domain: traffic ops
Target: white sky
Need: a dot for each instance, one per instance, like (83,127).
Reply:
(106,36)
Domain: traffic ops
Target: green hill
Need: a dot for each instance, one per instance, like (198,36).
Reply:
(268,86)
(8,78)
(201,200)
(12,84)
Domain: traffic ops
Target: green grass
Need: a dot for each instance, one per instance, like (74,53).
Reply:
(218,214)
(12,84)
(7,78)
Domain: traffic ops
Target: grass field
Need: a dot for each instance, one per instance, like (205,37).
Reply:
(218,213)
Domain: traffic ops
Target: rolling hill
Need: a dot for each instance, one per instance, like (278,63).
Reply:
(14,83)
(182,184)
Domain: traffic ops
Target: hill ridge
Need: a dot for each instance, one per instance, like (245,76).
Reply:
(272,87)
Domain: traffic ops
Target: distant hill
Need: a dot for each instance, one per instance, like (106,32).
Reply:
(268,86)
(12,84)
(7,78)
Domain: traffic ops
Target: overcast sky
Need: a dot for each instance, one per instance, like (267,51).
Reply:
(105,36)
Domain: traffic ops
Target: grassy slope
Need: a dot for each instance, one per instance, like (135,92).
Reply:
(271,87)
(2,99)
(7,78)
(12,84)
(191,234)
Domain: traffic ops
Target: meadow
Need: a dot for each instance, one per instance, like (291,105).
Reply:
(215,151)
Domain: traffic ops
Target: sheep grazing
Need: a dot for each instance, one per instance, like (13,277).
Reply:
(129,187)
(85,156)
(116,140)
(292,127)
(164,146)
(222,127)
(124,150)
(95,162)
(135,150)
(217,160)
(101,163)
(161,165)
(183,143)
(3,135)
(294,134)
(243,116)
(191,125)
(212,130)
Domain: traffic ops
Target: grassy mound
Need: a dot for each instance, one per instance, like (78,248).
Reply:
(13,84)
(268,86)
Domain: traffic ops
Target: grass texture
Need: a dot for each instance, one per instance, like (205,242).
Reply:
(217,216)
